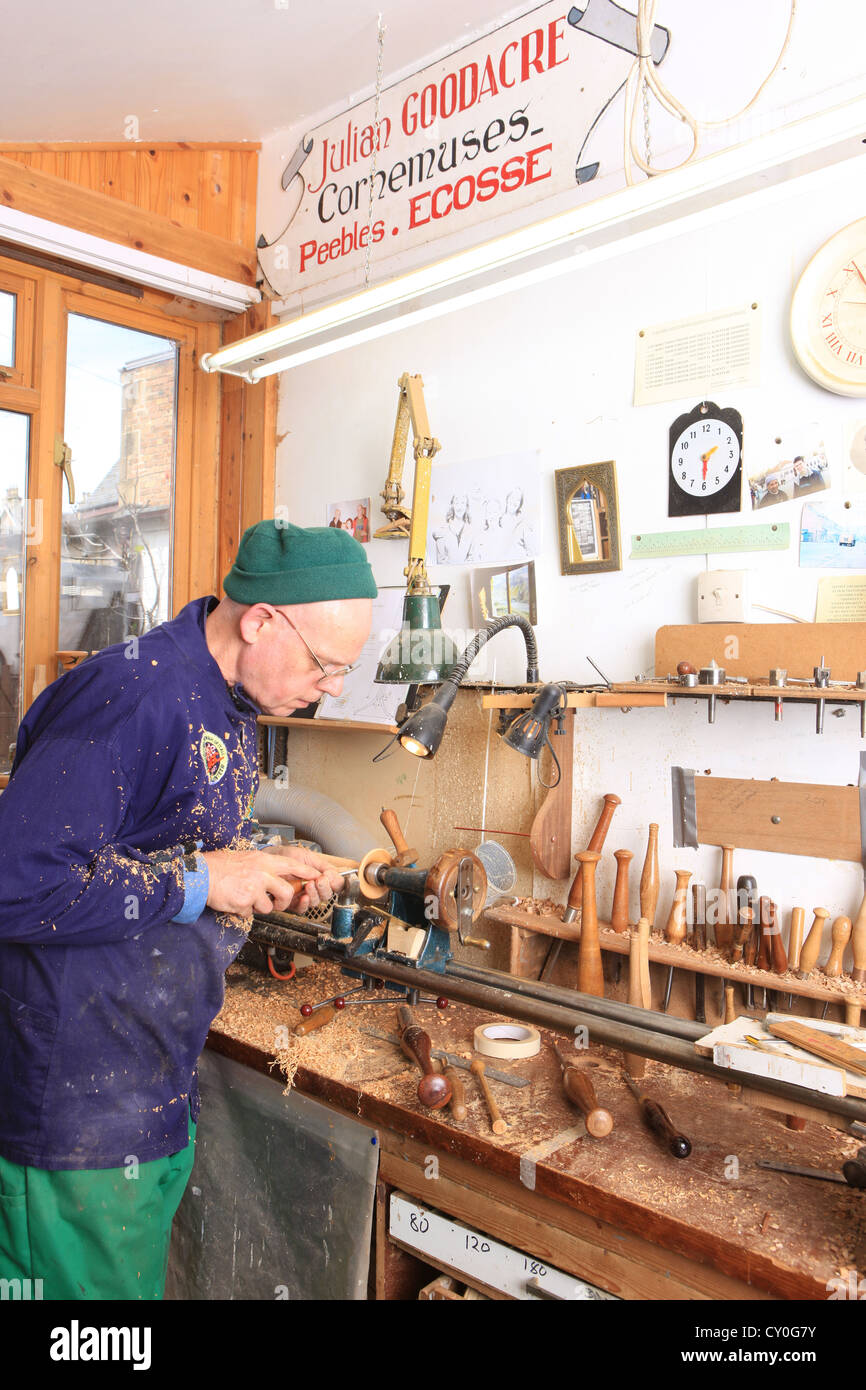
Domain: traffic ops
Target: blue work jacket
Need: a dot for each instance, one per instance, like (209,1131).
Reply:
(105,1002)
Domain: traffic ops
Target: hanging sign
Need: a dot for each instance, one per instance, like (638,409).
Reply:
(498,126)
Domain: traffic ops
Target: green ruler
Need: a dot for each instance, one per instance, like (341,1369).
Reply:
(712,541)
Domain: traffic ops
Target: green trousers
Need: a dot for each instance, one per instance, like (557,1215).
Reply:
(98,1233)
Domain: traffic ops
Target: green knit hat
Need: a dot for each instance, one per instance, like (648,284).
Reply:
(280,563)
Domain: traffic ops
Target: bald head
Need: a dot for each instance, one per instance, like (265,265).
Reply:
(271,649)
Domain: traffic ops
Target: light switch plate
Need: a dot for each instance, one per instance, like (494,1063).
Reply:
(723,596)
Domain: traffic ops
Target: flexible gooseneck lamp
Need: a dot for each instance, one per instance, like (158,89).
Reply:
(422,732)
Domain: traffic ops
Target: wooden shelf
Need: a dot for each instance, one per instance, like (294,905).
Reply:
(681,957)
(655,694)
(331,724)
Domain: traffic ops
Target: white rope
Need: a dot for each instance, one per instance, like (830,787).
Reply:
(643,78)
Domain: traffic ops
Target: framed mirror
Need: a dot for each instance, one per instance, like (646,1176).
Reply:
(587,513)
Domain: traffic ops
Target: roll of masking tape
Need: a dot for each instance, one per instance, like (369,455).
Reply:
(507,1041)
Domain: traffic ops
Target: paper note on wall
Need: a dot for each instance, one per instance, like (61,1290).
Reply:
(697,355)
(841,600)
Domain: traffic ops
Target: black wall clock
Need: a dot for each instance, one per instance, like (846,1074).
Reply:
(706,461)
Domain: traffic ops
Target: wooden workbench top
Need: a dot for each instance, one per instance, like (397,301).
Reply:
(784,1236)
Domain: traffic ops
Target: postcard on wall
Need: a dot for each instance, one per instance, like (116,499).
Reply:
(487,512)
(833,535)
(702,354)
(353,517)
(498,592)
(793,465)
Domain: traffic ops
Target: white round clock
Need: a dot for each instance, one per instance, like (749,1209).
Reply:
(828,313)
(705,450)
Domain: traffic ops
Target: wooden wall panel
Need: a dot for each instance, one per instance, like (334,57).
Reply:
(208,188)
(783,817)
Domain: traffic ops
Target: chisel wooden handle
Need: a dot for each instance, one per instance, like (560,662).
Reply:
(497,1124)
(619,911)
(841,935)
(402,852)
(812,945)
(580,1092)
(795,937)
(726,916)
(858,945)
(649,879)
(778,959)
(317,1019)
(676,929)
(638,986)
(458,1095)
(764,960)
(596,842)
(590,976)
(434,1089)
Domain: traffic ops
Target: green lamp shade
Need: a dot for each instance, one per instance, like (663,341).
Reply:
(420,653)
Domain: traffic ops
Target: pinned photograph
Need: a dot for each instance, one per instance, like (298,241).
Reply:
(498,592)
(798,471)
(353,517)
(485,512)
(833,535)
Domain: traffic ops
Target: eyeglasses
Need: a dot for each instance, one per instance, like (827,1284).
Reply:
(326,674)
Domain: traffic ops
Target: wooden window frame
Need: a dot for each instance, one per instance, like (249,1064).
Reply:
(38,390)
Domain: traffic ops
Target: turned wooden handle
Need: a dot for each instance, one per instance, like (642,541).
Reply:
(596,842)
(638,987)
(676,929)
(458,1095)
(725,918)
(795,937)
(778,959)
(858,944)
(812,945)
(619,910)
(840,936)
(392,827)
(649,879)
(590,976)
(581,1092)
(318,1019)
(434,1089)
(497,1124)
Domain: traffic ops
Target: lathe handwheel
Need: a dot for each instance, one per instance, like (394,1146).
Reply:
(442,884)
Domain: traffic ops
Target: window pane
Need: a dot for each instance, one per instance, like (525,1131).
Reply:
(7,329)
(17,526)
(121,412)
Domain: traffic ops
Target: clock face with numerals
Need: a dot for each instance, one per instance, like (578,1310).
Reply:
(706,448)
(828,313)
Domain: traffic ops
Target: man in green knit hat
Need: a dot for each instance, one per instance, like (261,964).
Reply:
(127,885)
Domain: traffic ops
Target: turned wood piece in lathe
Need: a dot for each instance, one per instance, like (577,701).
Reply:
(812,945)
(590,977)
(619,911)
(649,879)
(840,936)
(596,842)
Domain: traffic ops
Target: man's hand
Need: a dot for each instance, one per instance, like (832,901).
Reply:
(249,880)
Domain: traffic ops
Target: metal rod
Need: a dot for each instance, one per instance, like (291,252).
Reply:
(634,1037)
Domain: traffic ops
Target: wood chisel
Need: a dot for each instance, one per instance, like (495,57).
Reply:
(434,1089)
(575,896)
(450,1058)
(699,940)
(658,1120)
(853,1170)
(676,928)
(581,1092)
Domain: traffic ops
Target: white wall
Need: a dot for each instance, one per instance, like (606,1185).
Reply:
(551,369)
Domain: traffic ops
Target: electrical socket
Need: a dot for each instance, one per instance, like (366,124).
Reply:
(723,596)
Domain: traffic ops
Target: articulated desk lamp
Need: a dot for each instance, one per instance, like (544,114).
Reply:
(421,653)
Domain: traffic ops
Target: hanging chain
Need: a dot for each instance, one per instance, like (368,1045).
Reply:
(380,41)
